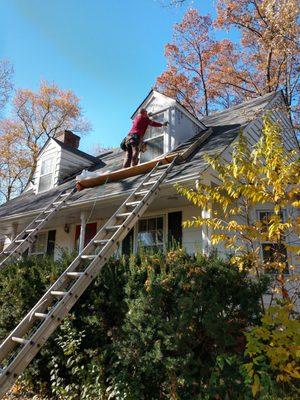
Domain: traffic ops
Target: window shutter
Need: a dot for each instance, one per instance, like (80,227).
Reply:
(51,242)
(127,243)
(175,228)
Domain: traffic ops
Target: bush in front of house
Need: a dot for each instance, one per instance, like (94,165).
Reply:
(151,327)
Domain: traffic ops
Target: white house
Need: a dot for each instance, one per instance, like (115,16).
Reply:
(60,161)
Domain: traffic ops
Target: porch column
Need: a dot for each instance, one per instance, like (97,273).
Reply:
(82,230)
(14,231)
(206,244)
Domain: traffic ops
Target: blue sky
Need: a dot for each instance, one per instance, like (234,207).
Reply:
(109,52)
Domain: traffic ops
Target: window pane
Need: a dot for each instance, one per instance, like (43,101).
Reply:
(160,222)
(146,238)
(150,234)
(45,182)
(47,166)
(274,252)
(153,131)
(155,147)
(160,236)
(40,244)
(142,225)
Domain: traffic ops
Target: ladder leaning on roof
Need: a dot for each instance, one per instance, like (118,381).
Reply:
(21,346)
(24,239)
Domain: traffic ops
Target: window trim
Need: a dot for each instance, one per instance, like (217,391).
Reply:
(45,250)
(165,230)
(50,173)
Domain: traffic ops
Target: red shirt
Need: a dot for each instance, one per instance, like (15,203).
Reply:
(140,124)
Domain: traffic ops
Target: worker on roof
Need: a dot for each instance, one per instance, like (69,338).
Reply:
(133,142)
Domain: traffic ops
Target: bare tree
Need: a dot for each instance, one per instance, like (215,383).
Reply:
(6,85)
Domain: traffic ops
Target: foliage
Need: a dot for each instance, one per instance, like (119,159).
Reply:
(36,116)
(265,57)
(189,61)
(263,175)
(273,352)
(150,327)
(15,161)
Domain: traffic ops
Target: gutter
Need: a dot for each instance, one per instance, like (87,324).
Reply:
(91,200)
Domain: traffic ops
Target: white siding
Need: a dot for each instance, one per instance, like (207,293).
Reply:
(191,237)
(182,127)
(70,163)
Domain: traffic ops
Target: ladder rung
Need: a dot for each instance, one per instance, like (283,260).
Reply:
(122,215)
(142,193)
(163,166)
(40,315)
(56,203)
(113,228)
(149,183)
(101,241)
(75,274)
(58,293)
(19,340)
(49,211)
(39,220)
(133,203)
(20,240)
(30,230)
(64,194)
(156,174)
(88,256)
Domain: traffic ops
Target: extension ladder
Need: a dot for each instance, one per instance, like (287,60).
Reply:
(21,346)
(24,239)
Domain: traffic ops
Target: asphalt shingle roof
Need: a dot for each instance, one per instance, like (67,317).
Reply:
(225,126)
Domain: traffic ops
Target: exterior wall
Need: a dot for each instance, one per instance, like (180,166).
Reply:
(70,163)
(182,128)
(192,239)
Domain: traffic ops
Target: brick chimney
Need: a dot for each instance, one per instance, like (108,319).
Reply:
(69,138)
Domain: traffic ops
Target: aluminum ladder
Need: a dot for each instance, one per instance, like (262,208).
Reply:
(24,342)
(24,239)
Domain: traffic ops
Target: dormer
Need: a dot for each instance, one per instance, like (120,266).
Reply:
(60,158)
(182,125)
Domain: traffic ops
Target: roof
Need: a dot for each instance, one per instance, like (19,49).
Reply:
(225,126)
(76,151)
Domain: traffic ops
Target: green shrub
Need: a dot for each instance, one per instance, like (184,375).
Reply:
(151,327)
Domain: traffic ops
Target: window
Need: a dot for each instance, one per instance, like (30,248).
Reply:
(155,147)
(44,243)
(151,233)
(46,175)
(272,252)
(154,138)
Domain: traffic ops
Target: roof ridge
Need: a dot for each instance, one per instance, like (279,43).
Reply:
(237,106)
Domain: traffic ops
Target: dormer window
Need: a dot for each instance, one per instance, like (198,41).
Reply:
(46,174)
